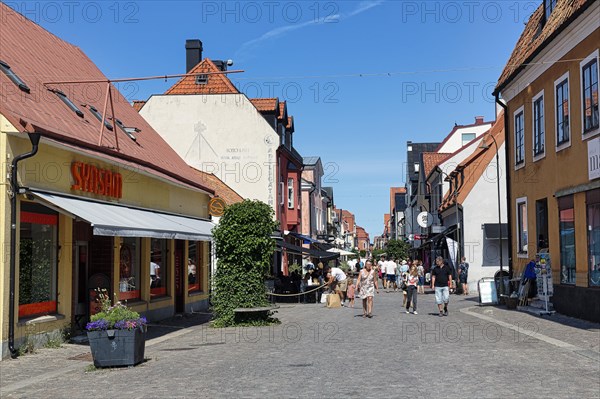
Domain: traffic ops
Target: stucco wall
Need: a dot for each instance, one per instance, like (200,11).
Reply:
(220,134)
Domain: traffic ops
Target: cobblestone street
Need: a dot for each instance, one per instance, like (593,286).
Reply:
(320,352)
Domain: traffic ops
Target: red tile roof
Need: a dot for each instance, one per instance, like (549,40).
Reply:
(38,57)
(536,36)
(474,166)
(222,190)
(138,104)
(282,110)
(433,159)
(265,104)
(216,84)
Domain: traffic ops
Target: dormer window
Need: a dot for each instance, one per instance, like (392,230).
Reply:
(98,116)
(14,77)
(68,102)
(201,79)
(549,6)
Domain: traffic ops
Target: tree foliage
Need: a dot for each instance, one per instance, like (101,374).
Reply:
(396,249)
(244,249)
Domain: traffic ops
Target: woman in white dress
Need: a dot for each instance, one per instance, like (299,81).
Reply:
(366,285)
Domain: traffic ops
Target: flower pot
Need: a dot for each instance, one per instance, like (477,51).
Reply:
(112,348)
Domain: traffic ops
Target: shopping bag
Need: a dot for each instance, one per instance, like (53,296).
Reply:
(324,298)
(333,301)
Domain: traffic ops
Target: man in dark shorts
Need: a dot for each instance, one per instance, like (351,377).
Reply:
(441,278)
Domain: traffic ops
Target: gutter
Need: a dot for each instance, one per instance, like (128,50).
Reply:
(508,192)
(15,190)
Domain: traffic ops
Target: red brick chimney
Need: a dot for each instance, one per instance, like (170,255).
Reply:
(479,120)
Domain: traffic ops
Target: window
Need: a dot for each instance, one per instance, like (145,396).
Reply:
(195,263)
(68,102)
(290,193)
(593,217)
(589,83)
(541,223)
(519,137)
(538,125)
(129,269)
(4,67)
(416,166)
(98,116)
(549,6)
(159,268)
(522,225)
(566,228)
(562,111)
(38,260)
(467,138)
(201,79)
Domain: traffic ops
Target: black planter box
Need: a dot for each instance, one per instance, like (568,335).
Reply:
(112,348)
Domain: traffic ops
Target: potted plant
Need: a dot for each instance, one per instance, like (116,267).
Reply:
(117,334)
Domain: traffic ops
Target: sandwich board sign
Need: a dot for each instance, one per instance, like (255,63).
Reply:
(487,291)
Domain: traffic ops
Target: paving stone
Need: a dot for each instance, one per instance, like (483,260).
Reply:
(319,352)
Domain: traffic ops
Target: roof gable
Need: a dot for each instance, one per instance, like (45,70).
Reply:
(217,83)
(475,165)
(431,160)
(266,105)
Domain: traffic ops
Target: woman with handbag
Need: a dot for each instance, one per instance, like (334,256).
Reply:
(366,284)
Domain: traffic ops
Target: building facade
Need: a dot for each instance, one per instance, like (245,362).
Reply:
(550,88)
(89,206)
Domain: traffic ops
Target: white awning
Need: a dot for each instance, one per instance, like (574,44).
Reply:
(123,221)
(341,252)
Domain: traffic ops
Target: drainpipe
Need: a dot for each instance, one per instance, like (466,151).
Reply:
(507,166)
(15,188)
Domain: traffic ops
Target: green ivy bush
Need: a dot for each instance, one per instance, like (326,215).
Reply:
(244,249)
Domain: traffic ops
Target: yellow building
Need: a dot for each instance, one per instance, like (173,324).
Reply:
(96,205)
(550,86)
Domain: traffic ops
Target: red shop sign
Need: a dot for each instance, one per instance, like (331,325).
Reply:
(95,180)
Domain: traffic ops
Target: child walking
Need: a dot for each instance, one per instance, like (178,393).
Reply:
(411,282)
(350,292)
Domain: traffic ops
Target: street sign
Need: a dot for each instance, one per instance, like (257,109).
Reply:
(425,219)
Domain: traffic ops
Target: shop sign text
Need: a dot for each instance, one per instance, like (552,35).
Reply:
(92,179)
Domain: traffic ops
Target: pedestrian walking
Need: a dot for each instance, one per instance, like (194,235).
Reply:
(421,274)
(411,282)
(441,278)
(367,284)
(350,292)
(463,275)
(391,274)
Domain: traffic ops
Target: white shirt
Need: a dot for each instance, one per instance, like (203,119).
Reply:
(381,265)
(338,274)
(391,267)
(153,268)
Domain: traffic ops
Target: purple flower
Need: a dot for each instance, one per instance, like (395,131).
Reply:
(130,324)
(98,325)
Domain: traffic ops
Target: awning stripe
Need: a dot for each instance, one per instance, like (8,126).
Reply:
(119,220)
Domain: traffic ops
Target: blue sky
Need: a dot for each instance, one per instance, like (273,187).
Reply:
(361,77)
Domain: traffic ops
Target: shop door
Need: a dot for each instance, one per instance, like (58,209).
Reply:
(81,315)
(179,275)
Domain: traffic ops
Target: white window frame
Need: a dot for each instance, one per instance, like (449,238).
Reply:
(519,201)
(533,101)
(462,138)
(518,111)
(558,147)
(594,54)
(290,191)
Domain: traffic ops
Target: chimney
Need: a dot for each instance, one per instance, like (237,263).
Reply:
(193,54)
(479,120)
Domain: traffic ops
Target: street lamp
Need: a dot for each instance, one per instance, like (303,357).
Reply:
(485,146)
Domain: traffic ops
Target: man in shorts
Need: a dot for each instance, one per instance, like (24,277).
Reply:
(441,278)
(338,282)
